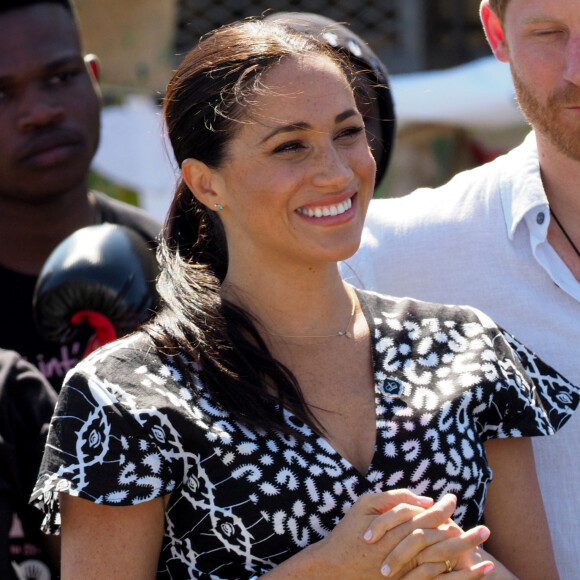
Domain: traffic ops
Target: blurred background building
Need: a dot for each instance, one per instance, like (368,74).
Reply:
(139,39)
(454,102)
(410,35)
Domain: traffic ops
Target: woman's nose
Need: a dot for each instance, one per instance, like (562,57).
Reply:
(333,168)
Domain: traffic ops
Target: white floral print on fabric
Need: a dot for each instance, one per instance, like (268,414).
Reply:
(129,427)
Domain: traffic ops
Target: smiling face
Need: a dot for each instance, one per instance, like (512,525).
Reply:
(542,44)
(49,104)
(298,174)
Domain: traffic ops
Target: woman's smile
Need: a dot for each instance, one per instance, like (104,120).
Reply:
(328,210)
(299,172)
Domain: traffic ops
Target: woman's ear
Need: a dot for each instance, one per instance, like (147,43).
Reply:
(494,31)
(200,180)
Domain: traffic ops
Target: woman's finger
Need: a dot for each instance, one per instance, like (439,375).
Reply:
(432,546)
(444,508)
(382,502)
(439,513)
(390,521)
(438,571)
(407,554)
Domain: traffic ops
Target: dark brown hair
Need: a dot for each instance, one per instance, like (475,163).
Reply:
(209,95)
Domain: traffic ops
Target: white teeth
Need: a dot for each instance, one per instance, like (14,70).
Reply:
(327,209)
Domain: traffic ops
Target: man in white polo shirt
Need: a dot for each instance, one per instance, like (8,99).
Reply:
(505,237)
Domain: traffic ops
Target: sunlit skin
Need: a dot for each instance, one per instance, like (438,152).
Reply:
(541,41)
(302,146)
(542,44)
(371,112)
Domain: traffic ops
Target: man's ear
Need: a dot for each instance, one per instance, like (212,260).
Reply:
(94,65)
(200,180)
(494,31)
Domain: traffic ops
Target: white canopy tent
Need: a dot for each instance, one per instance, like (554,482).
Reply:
(476,95)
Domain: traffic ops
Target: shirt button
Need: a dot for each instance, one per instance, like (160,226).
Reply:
(540,218)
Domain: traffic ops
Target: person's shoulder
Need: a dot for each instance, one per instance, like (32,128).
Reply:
(411,310)
(14,367)
(119,212)
(465,195)
(10,360)
(470,199)
(20,381)
(135,349)
(133,360)
(429,204)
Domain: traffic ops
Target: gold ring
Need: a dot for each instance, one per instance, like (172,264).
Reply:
(448,566)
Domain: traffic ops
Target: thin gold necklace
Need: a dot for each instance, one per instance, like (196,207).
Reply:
(565,232)
(346,332)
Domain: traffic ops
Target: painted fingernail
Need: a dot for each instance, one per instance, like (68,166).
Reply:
(488,569)
(385,570)
(368,535)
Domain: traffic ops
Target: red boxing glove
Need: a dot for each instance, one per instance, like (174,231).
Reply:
(104,330)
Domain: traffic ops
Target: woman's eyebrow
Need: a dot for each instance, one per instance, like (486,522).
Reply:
(301,126)
(287,129)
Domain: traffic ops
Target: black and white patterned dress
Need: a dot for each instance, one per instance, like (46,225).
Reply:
(128,428)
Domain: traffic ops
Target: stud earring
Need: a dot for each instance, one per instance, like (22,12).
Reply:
(218,206)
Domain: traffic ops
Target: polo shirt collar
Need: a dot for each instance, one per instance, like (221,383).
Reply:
(522,190)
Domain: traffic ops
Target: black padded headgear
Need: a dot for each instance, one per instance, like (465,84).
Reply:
(105,269)
(340,37)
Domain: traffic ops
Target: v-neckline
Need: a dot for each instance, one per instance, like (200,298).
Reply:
(376,395)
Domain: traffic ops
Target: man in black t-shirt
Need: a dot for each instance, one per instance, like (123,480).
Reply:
(17,327)
(50,108)
(49,121)
(26,405)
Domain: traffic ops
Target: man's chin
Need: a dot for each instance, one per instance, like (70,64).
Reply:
(565,141)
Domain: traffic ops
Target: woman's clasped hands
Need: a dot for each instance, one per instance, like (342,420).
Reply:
(403,536)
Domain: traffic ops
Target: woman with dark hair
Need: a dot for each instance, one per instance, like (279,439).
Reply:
(272,420)
(374,98)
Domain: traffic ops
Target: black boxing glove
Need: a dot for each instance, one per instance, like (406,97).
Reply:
(103,276)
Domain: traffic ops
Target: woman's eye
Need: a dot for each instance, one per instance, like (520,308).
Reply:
(350,132)
(289,147)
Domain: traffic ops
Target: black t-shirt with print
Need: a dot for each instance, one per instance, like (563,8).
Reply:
(17,327)
(26,405)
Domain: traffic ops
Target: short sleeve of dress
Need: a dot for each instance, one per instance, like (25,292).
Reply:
(110,440)
(531,398)
(459,361)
